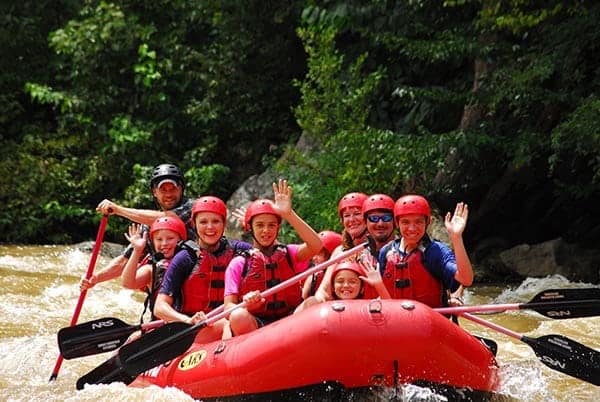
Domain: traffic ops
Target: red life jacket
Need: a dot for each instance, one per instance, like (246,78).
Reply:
(204,288)
(262,272)
(406,277)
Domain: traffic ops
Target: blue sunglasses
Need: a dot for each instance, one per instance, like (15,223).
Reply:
(376,218)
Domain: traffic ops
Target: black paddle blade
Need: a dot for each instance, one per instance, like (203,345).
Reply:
(108,372)
(566,303)
(157,347)
(93,337)
(152,349)
(567,356)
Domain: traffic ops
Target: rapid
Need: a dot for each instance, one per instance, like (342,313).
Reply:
(39,286)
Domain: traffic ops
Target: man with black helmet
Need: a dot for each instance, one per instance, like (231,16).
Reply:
(167,185)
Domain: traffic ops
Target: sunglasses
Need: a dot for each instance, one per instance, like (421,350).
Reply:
(376,218)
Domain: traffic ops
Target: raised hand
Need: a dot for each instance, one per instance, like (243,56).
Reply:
(283,197)
(136,237)
(455,224)
(372,275)
(239,214)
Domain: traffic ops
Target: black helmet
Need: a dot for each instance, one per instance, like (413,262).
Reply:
(166,171)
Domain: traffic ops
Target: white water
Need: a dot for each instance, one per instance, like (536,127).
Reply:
(39,291)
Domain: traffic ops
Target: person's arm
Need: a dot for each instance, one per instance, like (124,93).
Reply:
(111,271)
(306,287)
(143,216)
(163,309)
(455,225)
(283,204)
(456,299)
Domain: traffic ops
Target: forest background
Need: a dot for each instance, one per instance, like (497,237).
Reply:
(491,102)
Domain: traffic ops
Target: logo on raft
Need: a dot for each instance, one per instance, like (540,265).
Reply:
(191,360)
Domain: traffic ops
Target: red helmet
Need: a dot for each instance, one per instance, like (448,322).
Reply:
(172,223)
(209,204)
(377,201)
(412,204)
(349,265)
(351,200)
(330,240)
(258,207)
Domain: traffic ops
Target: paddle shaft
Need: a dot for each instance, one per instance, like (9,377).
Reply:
(83,293)
(557,309)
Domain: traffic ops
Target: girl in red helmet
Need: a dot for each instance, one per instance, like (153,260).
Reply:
(416,267)
(194,283)
(166,233)
(348,279)
(268,263)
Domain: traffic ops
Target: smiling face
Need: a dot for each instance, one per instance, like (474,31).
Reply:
(353,221)
(165,241)
(380,225)
(168,195)
(265,228)
(210,228)
(412,228)
(347,284)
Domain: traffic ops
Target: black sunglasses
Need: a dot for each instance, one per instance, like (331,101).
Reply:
(376,218)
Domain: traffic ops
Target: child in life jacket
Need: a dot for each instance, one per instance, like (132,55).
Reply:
(419,268)
(166,234)
(348,280)
(268,263)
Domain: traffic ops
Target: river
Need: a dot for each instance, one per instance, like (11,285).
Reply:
(39,290)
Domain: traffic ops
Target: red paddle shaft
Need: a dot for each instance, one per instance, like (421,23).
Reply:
(83,293)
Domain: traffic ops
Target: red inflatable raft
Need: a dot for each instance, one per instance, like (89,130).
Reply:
(354,344)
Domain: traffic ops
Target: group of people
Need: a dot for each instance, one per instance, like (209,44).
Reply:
(180,257)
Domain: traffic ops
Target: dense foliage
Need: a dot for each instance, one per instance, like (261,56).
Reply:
(492,102)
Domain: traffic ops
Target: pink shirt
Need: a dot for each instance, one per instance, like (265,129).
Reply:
(233,274)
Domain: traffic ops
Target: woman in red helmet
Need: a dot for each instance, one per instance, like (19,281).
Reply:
(166,233)
(416,267)
(194,282)
(268,263)
(352,219)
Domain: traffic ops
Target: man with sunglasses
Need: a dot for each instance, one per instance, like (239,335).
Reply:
(416,267)
(378,211)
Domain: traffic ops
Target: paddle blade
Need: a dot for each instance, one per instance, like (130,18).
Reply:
(93,337)
(566,303)
(108,372)
(152,349)
(567,356)
(157,347)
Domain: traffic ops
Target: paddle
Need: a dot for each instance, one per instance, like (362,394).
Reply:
(97,336)
(556,351)
(552,303)
(102,335)
(83,293)
(173,339)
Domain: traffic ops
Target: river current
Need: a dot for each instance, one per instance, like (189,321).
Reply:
(39,290)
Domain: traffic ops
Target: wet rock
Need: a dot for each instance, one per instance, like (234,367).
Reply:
(107,249)
(553,257)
